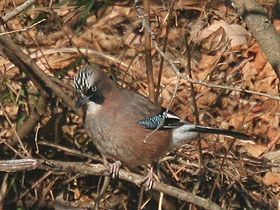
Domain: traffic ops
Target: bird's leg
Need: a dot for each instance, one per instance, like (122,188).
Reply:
(115,169)
(149,179)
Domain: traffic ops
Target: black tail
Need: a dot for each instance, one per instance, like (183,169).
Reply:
(232,133)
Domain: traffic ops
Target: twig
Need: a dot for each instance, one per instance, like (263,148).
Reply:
(102,170)
(145,203)
(148,54)
(62,84)
(88,51)
(211,85)
(124,65)
(24,62)
(146,25)
(100,192)
(18,10)
(24,164)
(196,112)
(70,151)
(23,29)
(141,196)
(160,201)
(179,75)
(220,169)
(34,118)
(35,184)
(164,49)
(14,130)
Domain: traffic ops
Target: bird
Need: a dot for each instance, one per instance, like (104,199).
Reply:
(126,126)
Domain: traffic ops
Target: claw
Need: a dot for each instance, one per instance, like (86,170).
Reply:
(115,169)
(149,180)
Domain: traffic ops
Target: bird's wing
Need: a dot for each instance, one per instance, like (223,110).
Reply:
(163,120)
(168,120)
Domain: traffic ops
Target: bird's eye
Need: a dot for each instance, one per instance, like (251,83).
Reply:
(91,90)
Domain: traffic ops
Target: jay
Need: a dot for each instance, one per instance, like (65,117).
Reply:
(120,120)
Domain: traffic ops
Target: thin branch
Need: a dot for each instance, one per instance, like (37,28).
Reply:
(196,112)
(211,85)
(11,148)
(102,170)
(113,60)
(164,49)
(23,29)
(14,130)
(34,118)
(69,151)
(148,54)
(24,62)
(275,62)
(17,10)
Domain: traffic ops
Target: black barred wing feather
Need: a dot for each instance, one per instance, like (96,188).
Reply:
(163,120)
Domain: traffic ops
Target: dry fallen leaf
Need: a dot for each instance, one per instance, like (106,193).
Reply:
(255,150)
(217,40)
(271,178)
(236,34)
(188,4)
(272,156)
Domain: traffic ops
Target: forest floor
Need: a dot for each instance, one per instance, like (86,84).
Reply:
(219,64)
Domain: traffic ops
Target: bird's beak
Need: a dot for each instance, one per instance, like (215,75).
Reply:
(81,101)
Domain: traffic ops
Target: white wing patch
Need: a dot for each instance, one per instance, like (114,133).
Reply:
(172,116)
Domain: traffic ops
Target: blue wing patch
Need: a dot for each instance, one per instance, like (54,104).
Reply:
(151,122)
(166,120)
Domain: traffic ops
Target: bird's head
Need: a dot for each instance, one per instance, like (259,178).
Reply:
(90,84)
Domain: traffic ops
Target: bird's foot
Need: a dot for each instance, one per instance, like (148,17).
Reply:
(149,180)
(115,169)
